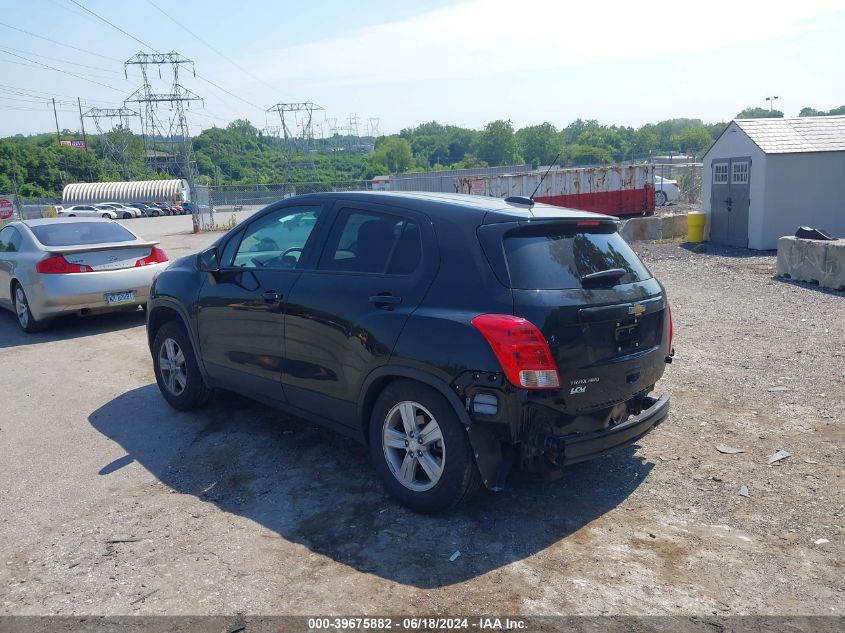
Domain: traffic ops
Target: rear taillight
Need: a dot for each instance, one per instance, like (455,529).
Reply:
(521,350)
(671,327)
(58,265)
(156,256)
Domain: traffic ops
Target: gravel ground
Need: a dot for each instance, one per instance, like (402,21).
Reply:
(113,503)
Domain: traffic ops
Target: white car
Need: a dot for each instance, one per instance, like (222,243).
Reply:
(665,190)
(87,211)
(127,213)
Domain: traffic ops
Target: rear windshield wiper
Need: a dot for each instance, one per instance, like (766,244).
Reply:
(612,274)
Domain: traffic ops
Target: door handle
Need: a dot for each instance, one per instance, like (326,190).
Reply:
(385,300)
(270,296)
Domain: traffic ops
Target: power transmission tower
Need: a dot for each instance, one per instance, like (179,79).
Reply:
(304,134)
(303,137)
(116,140)
(172,132)
(375,127)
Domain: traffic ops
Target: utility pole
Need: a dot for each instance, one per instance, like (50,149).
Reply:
(58,133)
(82,123)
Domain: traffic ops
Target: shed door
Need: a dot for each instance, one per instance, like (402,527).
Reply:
(729,201)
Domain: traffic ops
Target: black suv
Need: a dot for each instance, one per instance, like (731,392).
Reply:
(454,335)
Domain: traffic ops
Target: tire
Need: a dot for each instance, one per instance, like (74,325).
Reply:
(414,486)
(20,304)
(71,215)
(156,214)
(188,392)
(106,216)
(660,198)
(127,216)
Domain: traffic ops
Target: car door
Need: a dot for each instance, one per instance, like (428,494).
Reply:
(343,318)
(240,316)
(10,244)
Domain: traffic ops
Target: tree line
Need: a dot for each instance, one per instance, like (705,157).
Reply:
(241,155)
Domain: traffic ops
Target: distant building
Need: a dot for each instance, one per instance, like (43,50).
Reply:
(763,178)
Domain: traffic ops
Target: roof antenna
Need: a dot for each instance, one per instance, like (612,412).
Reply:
(544,177)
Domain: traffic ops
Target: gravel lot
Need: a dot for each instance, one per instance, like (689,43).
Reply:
(113,503)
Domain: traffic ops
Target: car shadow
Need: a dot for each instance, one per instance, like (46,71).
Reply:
(317,488)
(66,327)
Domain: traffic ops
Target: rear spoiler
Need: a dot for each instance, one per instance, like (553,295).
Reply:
(67,250)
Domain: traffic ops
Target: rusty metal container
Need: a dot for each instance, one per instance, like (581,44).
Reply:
(615,190)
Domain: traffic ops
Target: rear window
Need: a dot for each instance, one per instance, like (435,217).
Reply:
(80,233)
(552,259)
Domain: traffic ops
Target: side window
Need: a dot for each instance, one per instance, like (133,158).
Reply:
(408,252)
(10,240)
(720,173)
(228,254)
(277,240)
(363,241)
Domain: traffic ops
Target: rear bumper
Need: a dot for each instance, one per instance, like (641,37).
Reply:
(578,447)
(53,295)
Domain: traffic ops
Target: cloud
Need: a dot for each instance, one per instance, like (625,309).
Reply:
(483,40)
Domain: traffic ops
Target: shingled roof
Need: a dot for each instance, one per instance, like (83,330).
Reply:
(799,134)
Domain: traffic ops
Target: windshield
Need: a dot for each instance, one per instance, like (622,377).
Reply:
(559,258)
(81,233)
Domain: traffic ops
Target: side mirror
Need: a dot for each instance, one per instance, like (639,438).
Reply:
(208,261)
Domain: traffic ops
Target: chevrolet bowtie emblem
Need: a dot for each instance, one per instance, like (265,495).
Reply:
(637,309)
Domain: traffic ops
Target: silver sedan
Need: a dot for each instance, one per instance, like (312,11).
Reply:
(51,266)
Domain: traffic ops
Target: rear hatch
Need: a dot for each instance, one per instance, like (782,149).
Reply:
(601,311)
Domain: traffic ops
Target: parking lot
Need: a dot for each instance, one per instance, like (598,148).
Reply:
(114,503)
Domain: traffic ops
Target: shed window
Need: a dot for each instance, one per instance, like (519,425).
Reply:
(739,174)
(720,173)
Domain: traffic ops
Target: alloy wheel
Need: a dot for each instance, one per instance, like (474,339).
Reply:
(21,307)
(413,446)
(171,363)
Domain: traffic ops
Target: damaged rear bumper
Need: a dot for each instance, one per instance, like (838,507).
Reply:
(578,447)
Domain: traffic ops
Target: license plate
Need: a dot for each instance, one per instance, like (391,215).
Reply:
(119,298)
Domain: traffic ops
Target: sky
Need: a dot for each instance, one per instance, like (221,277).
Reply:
(405,63)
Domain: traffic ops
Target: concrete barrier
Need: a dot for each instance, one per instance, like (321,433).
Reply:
(674,226)
(654,227)
(815,261)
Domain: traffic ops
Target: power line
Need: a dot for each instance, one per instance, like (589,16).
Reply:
(64,61)
(47,39)
(101,18)
(66,72)
(208,81)
(223,55)
(156,51)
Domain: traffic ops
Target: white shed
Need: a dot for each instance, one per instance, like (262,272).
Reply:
(763,178)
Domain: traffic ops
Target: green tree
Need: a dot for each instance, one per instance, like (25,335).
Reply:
(496,144)
(539,144)
(759,113)
(693,139)
(394,153)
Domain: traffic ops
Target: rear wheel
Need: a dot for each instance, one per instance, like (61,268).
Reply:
(176,369)
(660,198)
(156,214)
(420,449)
(21,304)
(127,216)
(106,216)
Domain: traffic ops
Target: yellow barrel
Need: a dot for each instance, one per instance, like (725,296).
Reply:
(695,226)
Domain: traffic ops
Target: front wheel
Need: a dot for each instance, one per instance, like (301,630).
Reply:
(660,198)
(420,449)
(106,216)
(176,369)
(127,216)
